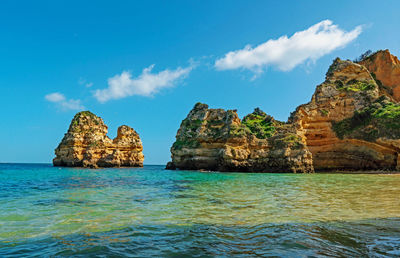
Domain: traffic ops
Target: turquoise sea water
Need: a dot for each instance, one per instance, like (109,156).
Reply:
(142,212)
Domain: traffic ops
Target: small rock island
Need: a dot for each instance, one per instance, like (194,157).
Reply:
(86,144)
(352,123)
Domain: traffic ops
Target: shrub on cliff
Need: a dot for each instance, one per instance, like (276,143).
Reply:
(380,119)
(364,56)
(260,124)
(354,85)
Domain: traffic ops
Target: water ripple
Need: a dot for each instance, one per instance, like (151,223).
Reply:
(47,211)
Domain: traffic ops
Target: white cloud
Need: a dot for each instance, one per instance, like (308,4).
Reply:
(83,81)
(286,53)
(63,103)
(55,97)
(146,84)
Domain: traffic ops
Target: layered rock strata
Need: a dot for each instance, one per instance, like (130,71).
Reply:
(86,144)
(351,123)
(348,90)
(215,139)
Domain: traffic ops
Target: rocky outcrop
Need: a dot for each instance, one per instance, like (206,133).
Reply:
(349,89)
(351,123)
(86,144)
(385,67)
(216,139)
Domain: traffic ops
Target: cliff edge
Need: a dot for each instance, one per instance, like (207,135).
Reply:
(351,123)
(385,68)
(86,144)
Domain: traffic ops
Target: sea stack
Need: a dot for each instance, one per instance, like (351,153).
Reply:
(352,123)
(86,144)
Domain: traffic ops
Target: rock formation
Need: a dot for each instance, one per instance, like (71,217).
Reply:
(385,67)
(351,123)
(86,144)
(215,139)
(333,124)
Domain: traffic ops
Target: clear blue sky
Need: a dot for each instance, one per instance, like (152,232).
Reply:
(72,48)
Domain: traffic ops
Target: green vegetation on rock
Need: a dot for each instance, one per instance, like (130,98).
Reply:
(380,119)
(333,66)
(284,140)
(200,105)
(179,144)
(324,112)
(292,138)
(239,131)
(355,85)
(192,124)
(87,113)
(260,124)
(78,115)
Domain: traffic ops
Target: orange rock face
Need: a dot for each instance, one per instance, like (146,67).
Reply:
(352,123)
(86,144)
(348,88)
(386,68)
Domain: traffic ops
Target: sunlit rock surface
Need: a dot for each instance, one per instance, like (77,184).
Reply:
(86,144)
(351,123)
(215,139)
(385,67)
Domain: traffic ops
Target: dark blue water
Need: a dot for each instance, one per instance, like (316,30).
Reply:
(142,212)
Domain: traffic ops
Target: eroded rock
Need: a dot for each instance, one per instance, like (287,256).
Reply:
(338,124)
(86,144)
(216,139)
(351,123)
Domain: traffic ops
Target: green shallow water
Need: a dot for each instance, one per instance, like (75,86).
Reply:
(147,211)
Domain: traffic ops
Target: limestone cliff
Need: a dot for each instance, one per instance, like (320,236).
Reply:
(348,90)
(86,144)
(351,123)
(385,67)
(215,139)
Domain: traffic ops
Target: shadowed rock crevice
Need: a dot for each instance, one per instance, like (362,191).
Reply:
(86,144)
